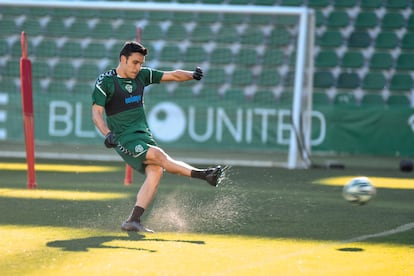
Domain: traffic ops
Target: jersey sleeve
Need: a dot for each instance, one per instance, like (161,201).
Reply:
(149,76)
(101,91)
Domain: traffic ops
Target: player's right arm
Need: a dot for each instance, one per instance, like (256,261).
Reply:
(98,119)
(99,98)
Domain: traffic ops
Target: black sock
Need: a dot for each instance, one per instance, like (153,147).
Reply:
(136,214)
(201,174)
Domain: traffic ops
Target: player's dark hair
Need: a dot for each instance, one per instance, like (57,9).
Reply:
(132,47)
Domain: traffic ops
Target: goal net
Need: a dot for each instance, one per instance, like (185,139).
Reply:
(255,97)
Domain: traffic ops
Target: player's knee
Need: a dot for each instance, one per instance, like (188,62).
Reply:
(154,171)
(156,155)
(158,170)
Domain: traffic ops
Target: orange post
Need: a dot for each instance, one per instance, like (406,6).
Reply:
(27,108)
(128,175)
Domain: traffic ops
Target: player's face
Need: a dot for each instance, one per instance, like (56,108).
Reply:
(132,65)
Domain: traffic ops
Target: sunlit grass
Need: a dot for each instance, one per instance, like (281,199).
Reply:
(59,194)
(379,182)
(66,251)
(59,168)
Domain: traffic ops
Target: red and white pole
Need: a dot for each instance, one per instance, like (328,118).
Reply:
(27,108)
(128,175)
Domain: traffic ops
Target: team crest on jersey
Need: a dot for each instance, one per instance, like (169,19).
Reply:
(139,148)
(128,88)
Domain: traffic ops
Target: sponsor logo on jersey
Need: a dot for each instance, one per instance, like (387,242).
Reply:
(133,99)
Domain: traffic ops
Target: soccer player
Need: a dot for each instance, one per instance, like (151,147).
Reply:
(118,94)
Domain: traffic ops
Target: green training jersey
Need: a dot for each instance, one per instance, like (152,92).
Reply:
(123,99)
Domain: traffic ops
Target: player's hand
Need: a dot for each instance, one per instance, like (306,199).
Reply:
(198,73)
(110,141)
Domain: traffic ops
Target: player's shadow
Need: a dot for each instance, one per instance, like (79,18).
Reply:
(85,244)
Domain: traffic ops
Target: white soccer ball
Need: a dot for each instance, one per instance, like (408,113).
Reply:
(359,190)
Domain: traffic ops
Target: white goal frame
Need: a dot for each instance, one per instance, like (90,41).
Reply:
(300,138)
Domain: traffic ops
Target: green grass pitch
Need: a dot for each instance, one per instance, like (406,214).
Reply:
(259,220)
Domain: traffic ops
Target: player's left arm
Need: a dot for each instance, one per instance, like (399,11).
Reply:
(182,75)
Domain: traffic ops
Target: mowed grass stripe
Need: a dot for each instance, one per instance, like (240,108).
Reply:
(65,251)
(58,168)
(59,194)
(379,182)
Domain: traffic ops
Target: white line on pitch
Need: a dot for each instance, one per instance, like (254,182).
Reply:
(399,229)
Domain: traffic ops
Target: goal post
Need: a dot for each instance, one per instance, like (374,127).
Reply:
(302,103)
(269,52)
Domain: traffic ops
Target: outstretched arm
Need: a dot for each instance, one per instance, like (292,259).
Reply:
(182,75)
